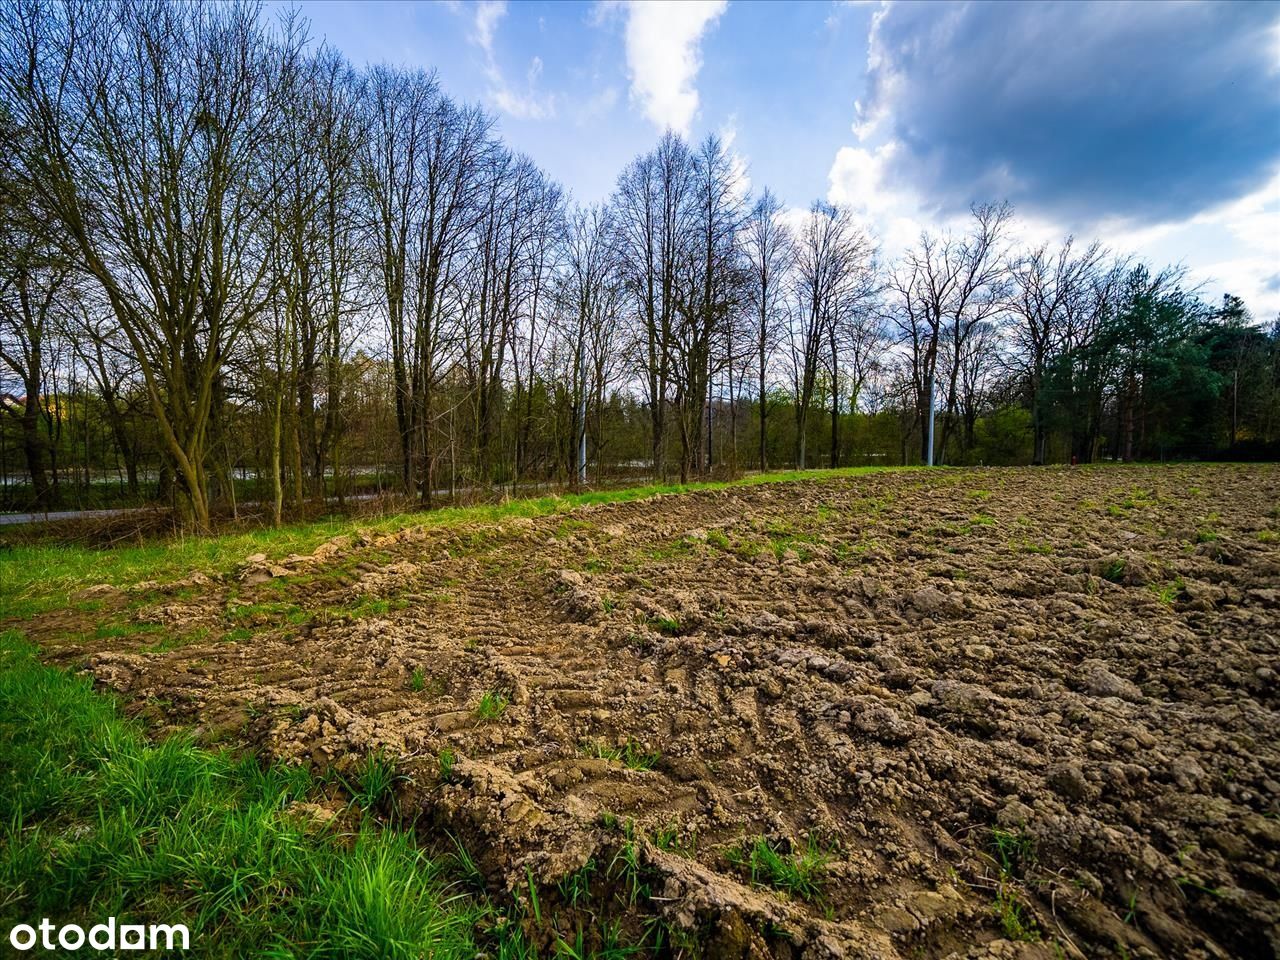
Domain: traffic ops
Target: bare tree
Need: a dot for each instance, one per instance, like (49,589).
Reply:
(589,299)
(654,224)
(980,293)
(97,342)
(427,168)
(709,286)
(399,114)
(865,340)
(854,343)
(945,287)
(1047,288)
(834,277)
(1083,369)
(978,364)
(770,254)
(145,122)
(506,276)
(543,259)
(33,287)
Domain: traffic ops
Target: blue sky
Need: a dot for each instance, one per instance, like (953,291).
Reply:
(1155,127)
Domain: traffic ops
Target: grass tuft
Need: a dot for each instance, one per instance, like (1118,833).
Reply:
(796,872)
(630,754)
(1114,570)
(1015,852)
(446,761)
(374,787)
(492,705)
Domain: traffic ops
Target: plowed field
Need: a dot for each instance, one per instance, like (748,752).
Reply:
(996,712)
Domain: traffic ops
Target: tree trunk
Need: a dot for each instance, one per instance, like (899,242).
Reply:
(33,447)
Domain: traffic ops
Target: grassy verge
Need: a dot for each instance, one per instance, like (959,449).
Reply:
(104,494)
(97,822)
(36,577)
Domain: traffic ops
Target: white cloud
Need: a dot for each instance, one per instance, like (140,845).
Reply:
(1230,247)
(663,40)
(603,11)
(869,117)
(488,13)
(838,7)
(859,179)
(527,104)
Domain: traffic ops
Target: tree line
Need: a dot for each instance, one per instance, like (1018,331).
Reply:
(233,265)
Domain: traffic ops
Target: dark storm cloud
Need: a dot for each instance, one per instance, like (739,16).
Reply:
(1145,110)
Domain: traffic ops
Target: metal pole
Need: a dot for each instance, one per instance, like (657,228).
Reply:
(710,394)
(929,459)
(1235,404)
(582,418)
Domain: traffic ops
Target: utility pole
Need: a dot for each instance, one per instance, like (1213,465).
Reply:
(582,415)
(929,460)
(710,422)
(1235,404)
(711,392)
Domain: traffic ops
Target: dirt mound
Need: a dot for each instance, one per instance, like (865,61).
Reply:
(961,713)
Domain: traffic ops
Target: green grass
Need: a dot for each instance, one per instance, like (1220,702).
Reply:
(629,754)
(669,626)
(576,887)
(1015,849)
(1015,853)
(35,577)
(1114,570)
(101,822)
(669,838)
(801,544)
(492,705)
(446,760)
(373,788)
(1167,593)
(718,539)
(106,631)
(626,868)
(1015,921)
(796,871)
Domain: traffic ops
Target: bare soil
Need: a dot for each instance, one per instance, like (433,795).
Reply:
(1023,712)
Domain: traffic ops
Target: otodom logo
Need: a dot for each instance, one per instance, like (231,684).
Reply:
(108,935)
